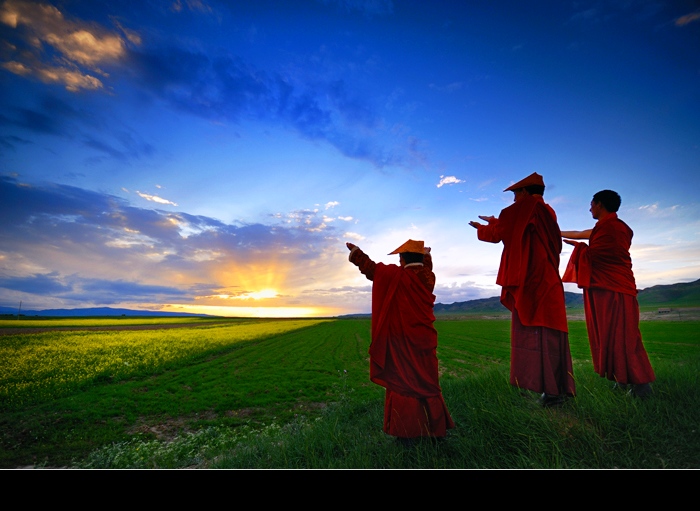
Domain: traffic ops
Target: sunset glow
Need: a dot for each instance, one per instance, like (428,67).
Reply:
(258,295)
(254,312)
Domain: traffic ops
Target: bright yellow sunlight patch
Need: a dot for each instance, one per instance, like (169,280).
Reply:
(259,295)
(253,312)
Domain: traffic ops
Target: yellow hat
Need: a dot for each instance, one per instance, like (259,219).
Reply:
(410,246)
(532,179)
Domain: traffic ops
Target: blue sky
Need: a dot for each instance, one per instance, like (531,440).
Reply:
(213,156)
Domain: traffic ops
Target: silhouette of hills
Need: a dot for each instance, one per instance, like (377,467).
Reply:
(685,294)
(493,305)
(94,311)
(673,295)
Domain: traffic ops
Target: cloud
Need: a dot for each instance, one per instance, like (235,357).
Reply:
(657,211)
(224,88)
(353,236)
(66,242)
(650,208)
(10,141)
(123,149)
(92,290)
(448,180)
(51,115)
(192,5)
(464,292)
(155,198)
(688,18)
(79,50)
(258,295)
(35,284)
(450,87)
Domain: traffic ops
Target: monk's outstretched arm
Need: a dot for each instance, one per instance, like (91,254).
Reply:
(427,258)
(490,232)
(361,260)
(577,235)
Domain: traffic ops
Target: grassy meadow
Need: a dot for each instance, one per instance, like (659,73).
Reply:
(115,321)
(296,394)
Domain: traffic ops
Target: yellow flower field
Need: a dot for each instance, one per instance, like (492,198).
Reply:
(44,365)
(114,321)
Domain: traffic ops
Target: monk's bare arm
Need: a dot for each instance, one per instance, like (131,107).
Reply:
(427,258)
(361,260)
(489,232)
(489,219)
(427,276)
(577,235)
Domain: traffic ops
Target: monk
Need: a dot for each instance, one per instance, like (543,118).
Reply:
(402,352)
(603,270)
(532,290)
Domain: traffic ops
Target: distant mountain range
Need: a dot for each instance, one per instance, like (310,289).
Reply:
(672,295)
(95,311)
(685,294)
(493,304)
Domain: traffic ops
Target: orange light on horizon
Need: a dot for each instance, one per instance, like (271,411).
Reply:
(257,295)
(254,312)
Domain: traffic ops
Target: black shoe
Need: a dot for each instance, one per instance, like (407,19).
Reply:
(641,390)
(620,386)
(547,400)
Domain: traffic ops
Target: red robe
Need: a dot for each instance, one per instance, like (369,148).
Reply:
(403,356)
(604,271)
(532,290)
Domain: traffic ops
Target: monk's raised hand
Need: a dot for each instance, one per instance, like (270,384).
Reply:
(489,219)
(349,245)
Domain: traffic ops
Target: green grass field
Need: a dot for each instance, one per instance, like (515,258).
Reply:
(84,322)
(296,394)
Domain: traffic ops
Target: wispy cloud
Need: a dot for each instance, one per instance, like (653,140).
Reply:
(73,288)
(155,198)
(353,236)
(39,284)
(191,5)
(688,18)
(81,49)
(450,87)
(657,211)
(448,180)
